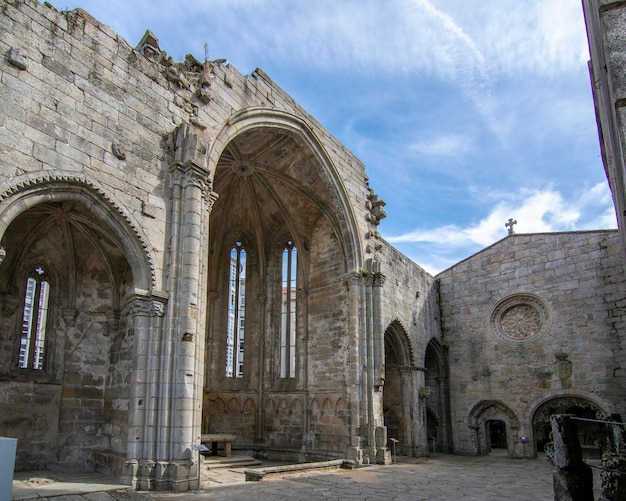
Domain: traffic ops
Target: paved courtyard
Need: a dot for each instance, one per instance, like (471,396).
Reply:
(443,477)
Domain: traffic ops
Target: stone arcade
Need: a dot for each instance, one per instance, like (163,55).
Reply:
(186,251)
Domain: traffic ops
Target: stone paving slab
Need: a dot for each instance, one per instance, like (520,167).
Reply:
(440,478)
(63,486)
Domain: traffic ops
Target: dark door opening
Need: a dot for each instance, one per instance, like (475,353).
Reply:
(496,432)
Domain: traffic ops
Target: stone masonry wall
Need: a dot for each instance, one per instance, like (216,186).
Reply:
(85,92)
(560,339)
(410,296)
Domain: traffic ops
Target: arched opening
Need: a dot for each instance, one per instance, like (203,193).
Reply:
(592,436)
(495,426)
(65,344)
(398,394)
(437,404)
(277,201)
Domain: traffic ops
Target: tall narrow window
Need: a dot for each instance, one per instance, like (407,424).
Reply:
(33,335)
(236,311)
(288,314)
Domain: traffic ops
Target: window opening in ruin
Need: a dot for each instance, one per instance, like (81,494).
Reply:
(33,333)
(236,311)
(288,313)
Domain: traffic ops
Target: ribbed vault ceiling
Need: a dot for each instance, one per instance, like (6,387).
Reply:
(270,186)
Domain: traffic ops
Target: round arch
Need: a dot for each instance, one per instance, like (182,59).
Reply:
(26,192)
(488,412)
(591,435)
(254,118)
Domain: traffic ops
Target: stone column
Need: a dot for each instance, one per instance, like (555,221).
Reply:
(415,430)
(357,387)
(183,369)
(145,318)
(383,454)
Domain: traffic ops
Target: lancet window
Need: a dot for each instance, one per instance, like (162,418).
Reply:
(288,313)
(236,311)
(34,319)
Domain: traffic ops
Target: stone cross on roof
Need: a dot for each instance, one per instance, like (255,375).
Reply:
(509,224)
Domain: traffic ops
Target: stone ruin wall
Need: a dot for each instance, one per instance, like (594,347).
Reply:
(88,105)
(578,276)
(81,106)
(411,298)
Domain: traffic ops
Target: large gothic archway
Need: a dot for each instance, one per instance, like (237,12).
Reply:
(66,339)
(280,250)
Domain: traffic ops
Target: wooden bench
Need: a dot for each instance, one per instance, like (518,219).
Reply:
(215,438)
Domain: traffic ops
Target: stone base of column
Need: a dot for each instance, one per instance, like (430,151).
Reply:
(149,475)
(355,454)
(383,455)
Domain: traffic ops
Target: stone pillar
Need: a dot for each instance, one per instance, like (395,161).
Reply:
(383,454)
(573,481)
(184,348)
(145,318)
(168,462)
(416,405)
(357,389)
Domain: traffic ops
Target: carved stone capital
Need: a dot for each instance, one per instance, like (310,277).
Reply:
(378,280)
(147,305)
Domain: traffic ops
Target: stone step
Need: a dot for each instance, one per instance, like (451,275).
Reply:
(216,462)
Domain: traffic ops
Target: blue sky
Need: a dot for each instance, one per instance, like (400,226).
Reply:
(465,113)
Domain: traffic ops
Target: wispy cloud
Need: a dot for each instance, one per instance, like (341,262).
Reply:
(536,211)
(451,145)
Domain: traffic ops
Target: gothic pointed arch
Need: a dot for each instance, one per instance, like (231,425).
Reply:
(28,191)
(398,340)
(250,119)
(78,334)
(478,411)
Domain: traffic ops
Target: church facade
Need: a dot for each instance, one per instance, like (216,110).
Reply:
(185,250)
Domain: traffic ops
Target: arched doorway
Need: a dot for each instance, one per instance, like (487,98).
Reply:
(65,343)
(495,426)
(592,436)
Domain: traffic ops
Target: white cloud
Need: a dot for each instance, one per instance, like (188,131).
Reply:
(536,211)
(451,145)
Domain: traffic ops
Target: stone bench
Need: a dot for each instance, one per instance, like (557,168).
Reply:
(215,438)
(259,474)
